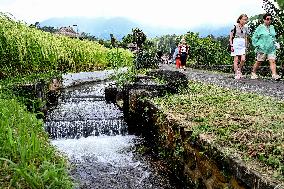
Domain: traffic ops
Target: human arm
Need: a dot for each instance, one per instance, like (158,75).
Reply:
(247,37)
(255,37)
(231,38)
(175,54)
(273,35)
(187,49)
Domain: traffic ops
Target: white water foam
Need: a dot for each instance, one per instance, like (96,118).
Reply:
(105,149)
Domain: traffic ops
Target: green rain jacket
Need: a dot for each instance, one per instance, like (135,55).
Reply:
(264,40)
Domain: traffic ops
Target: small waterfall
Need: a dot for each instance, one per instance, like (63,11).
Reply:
(93,135)
(83,112)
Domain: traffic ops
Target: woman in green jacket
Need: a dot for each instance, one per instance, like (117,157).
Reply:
(264,41)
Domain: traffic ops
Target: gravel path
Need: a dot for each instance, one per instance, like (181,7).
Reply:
(266,87)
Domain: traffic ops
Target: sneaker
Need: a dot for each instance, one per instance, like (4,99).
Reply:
(276,77)
(238,75)
(253,76)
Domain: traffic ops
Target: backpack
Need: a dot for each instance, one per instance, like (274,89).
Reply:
(234,34)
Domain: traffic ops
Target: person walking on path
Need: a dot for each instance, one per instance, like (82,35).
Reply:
(264,41)
(176,58)
(183,52)
(238,43)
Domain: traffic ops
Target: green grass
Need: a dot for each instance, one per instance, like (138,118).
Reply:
(245,125)
(27,160)
(129,76)
(10,82)
(11,88)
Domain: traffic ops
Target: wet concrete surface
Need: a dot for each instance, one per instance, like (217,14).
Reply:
(72,79)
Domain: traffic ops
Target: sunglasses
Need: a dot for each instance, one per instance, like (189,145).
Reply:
(268,19)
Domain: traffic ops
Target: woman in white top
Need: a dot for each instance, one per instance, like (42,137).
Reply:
(183,52)
(238,42)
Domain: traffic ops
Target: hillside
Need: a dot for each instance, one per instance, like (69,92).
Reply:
(119,26)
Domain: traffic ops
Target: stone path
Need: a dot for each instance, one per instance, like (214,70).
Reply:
(262,86)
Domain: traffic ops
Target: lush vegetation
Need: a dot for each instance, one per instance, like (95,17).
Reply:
(145,52)
(27,160)
(206,50)
(242,124)
(28,55)
(166,44)
(212,50)
(202,51)
(247,124)
(25,50)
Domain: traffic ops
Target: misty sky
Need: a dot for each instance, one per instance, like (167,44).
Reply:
(181,13)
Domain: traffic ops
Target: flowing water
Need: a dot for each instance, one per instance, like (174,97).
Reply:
(94,136)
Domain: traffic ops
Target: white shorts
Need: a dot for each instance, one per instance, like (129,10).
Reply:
(239,45)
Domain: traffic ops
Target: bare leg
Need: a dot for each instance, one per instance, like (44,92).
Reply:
(256,66)
(243,59)
(236,66)
(273,66)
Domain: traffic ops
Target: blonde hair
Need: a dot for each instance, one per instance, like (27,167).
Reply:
(240,17)
(182,40)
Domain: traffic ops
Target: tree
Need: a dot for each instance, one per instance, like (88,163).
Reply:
(166,44)
(126,40)
(145,57)
(281,4)
(88,36)
(278,15)
(138,37)
(37,25)
(49,29)
(113,41)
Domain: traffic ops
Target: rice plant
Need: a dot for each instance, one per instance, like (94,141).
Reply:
(25,50)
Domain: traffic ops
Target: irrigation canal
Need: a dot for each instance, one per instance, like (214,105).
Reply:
(94,136)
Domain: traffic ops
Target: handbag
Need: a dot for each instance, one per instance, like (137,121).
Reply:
(234,34)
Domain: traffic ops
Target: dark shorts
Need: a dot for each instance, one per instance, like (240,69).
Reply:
(183,58)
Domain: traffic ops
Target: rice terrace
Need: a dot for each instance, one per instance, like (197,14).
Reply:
(110,102)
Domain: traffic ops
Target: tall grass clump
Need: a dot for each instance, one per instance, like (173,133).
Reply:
(27,160)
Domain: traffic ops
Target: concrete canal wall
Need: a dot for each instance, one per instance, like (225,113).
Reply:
(195,160)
